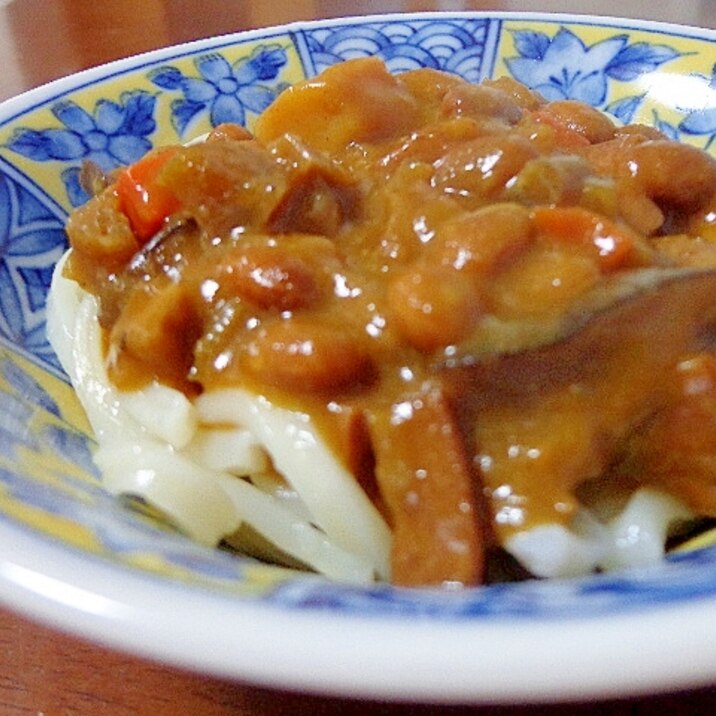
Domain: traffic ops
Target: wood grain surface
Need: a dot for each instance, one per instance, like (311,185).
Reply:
(45,672)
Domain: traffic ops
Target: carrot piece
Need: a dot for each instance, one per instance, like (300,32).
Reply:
(143,198)
(614,244)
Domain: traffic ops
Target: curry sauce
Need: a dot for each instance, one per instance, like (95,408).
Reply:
(380,252)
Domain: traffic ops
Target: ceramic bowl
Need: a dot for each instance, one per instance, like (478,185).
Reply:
(75,557)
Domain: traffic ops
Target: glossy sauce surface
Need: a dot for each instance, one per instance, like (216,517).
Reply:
(374,226)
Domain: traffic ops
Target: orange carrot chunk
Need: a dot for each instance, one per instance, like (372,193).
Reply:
(614,244)
(143,198)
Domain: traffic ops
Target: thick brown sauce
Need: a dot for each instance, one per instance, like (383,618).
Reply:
(373,223)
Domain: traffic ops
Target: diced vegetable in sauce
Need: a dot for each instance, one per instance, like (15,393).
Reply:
(371,227)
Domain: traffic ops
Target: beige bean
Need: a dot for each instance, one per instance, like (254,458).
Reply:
(478,170)
(673,174)
(306,357)
(484,240)
(156,332)
(480,101)
(525,98)
(433,307)
(583,119)
(268,277)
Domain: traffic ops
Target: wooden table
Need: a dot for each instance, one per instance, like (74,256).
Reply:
(45,672)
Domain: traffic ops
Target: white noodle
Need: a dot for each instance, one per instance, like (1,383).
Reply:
(635,537)
(335,500)
(232,450)
(639,532)
(153,445)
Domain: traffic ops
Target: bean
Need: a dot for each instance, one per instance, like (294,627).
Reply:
(548,132)
(543,281)
(583,119)
(481,101)
(156,330)
(607,158)
(356,101)
(674,175)
(433,307)
(268,277)
(479,169)
(428,146)
(484,240)
(307,357)
(525,98)
(643,131)
(429,86)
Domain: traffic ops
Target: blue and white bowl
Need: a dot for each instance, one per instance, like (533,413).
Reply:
(73,556)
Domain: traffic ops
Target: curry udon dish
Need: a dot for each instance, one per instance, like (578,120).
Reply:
(409,329)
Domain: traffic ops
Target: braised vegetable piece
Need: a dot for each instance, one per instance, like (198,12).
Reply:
(143,197)
(476,294)
(426,480)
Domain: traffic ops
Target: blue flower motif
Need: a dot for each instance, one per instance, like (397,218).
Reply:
(702,121)
(625,109)
(226,91)
(563,67)
(114,135)
(669,130)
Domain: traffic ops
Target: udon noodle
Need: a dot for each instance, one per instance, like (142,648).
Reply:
(210,464)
